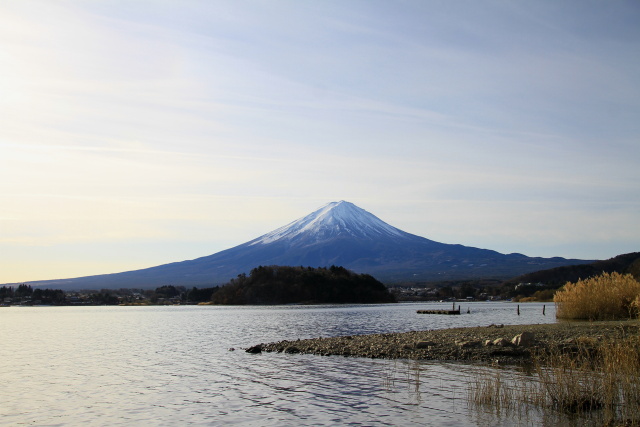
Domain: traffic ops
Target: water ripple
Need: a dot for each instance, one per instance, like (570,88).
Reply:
(163,366)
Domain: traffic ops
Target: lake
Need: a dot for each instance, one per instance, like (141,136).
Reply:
(173,365)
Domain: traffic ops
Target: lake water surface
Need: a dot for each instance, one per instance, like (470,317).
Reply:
(172,365)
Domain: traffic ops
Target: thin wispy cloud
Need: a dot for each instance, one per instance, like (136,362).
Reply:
(201,125)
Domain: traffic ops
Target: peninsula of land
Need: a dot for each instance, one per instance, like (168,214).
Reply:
(500,344)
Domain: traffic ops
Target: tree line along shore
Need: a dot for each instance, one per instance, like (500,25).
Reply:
(307,285)
(264,285)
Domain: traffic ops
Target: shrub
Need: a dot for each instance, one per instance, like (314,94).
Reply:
(545,295)
(605,297)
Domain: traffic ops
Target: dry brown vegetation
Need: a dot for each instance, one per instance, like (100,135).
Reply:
(600,380)
(594,377)
(605,297)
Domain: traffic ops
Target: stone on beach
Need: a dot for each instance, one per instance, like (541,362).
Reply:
(501,342)
(525,339)
(254,349)
(424,344)
(467,344)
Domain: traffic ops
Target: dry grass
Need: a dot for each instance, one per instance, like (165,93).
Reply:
(605,297)
(597,379)
(492,388)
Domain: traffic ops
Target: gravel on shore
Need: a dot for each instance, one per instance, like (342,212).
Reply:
(493,343)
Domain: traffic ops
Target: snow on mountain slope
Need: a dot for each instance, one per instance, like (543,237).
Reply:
(335,219)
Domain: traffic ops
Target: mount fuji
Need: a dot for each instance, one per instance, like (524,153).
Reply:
(341,234)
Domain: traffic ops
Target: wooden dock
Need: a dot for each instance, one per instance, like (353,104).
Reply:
(439,311)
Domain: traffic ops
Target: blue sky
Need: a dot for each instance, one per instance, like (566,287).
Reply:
(135,133)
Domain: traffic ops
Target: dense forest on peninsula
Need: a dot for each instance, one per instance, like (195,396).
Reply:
(302,285)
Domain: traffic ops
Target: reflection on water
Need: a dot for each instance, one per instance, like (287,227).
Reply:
(172,365)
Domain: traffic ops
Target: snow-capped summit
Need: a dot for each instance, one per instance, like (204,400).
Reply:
(335,219)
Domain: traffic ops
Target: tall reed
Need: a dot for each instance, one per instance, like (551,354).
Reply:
(596,379)
(605,297)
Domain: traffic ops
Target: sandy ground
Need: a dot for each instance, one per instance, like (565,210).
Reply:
(461,344)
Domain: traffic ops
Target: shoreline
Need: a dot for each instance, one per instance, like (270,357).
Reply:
(489,344)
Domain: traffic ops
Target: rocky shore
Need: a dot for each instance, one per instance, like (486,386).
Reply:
(506,344)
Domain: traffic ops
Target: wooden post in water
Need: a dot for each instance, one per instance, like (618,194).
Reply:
(543,307)
(468,310)
(453,308)
(518,309)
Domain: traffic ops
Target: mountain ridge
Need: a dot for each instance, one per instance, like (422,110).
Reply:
(624,264)
(338,233)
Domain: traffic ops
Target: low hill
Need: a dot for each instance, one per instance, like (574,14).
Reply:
(556,277)
(294,285)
